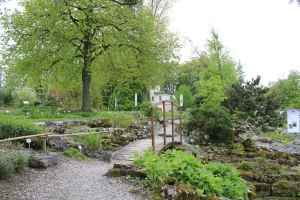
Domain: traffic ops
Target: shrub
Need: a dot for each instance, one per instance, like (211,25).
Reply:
(144,107)
(245,165)
(211,179)
(12,162)
(215,121)
(11,128)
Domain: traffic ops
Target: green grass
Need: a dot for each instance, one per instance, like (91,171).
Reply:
(281,137)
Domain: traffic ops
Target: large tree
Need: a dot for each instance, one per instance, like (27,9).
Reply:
(52,42)
(217,73)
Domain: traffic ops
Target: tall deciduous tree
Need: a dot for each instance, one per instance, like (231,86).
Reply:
(218,71)
(55,41)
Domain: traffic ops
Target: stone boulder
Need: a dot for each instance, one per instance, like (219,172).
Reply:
(43,160)
(99,154)
(58,143)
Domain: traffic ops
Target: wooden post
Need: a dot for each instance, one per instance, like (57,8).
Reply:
(165,124)
(180,125)
(49,115)
(99,141)
(172,106)
(152,128)
(44,148)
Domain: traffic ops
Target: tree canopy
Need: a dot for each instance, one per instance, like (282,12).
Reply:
(64,42)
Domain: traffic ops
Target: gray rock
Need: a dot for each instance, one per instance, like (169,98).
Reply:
(58,143)
(43,160)
(98,154)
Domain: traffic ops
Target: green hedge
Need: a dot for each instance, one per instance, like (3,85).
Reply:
(11,128)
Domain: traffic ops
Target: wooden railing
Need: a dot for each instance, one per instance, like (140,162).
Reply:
(165,122)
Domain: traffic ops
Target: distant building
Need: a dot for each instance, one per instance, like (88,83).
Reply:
(157,96)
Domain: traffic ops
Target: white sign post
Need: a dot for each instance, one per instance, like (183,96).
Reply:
(135,100)
(28,141)
(181,100)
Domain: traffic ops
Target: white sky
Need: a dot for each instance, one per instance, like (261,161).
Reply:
(264,35)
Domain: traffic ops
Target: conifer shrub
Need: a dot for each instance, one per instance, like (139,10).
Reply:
(215,121)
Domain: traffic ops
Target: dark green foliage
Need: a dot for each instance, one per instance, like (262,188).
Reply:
(7,97)
(212,179)
(11,128)
(12,162)
(250,101)
(215,121)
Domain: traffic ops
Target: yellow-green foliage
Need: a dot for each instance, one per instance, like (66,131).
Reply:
(282,137)
(74,152)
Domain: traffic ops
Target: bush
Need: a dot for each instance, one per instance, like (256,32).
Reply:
(215,121)
(11,128)
(12,162)
(211,179)
(144,108)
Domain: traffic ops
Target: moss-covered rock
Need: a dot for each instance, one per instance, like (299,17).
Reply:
(178,192)
(286,188)
(262,189)
(104,122)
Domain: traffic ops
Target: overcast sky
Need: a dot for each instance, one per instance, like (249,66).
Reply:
(264,35)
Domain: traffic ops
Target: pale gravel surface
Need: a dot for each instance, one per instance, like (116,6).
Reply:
(69,180)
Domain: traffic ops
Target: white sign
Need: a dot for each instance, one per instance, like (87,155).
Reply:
(181,100)
(293,121)
(135,99)
(79,147)
(28,140)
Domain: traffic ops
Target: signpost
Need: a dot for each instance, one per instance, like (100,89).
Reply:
(181,100)
(293,121)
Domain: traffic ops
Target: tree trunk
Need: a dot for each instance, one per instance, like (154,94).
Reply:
(144,93)
(86,82)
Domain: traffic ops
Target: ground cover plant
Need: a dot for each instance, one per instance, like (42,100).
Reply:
(281,137)
(212,179)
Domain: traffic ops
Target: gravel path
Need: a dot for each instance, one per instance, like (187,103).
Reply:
(69,180)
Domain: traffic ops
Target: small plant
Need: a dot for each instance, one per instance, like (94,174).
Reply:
(245,165)
(74,152)
(12,162)
(282,182)
(91,140)
(282,170)
(261,160)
